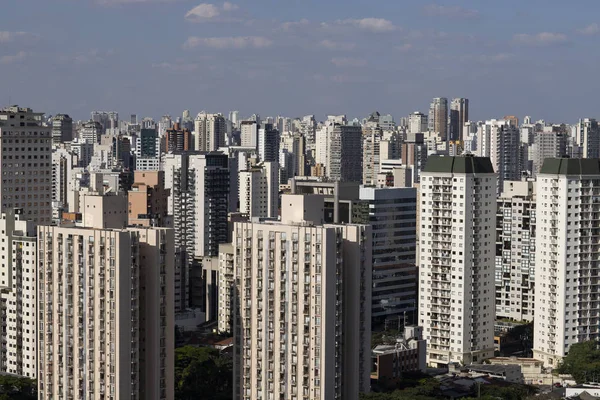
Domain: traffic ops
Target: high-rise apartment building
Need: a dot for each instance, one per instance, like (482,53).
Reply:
(210,132)
(268,143)
(105,316)
(259,190)
(178,139)
(567,254)
(459,116)
(500,141)
(438,117)
(147,150)
(548,144)
(249,134)
(417,123)
(392,214)
(301,319)
(63,162)
(91,132)
(414,154)
(19,295)
(588,137)
(62,128)
(371,155)
(148,199)
(515,251)
(26,153)
(198,203)
(344,158)
(457,231)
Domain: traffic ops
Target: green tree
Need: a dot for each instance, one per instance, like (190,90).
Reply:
(201,373)
(17,388)
(582,362)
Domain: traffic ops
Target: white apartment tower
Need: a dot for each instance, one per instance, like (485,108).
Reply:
(18,298)
(515,251)
(588,137)
(301,323)
(259,190)
(567,254)
(456,258)
(210,131)
(105,311)
(417,123)
(438,117)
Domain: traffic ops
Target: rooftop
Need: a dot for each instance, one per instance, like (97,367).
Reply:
(571,166)
(467,164)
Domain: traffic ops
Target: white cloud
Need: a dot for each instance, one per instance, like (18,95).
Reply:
(438,10)
(331,45)
(348,62)
(227,6)
(10,37)
(540,39)
(376,25)
(203,11)
(590,30)
(286,26)
(235,42)
(13,58)
(177,67)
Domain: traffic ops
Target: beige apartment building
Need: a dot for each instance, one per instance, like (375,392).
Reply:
(148,199)
(302,311)
(105,311)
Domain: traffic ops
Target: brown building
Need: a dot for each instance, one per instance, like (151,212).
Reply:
(148,199)
(178,139)
(512,120)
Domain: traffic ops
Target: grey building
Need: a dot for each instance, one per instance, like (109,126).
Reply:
(548,145)
(392,214)
(62,128)
(345,154)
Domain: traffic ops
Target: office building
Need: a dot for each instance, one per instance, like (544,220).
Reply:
(392,214)
(19,295)
(147,150)
(26,153)
(515,251)
(566,273)
(106,324)
(344,158)
(62,128)
(459,116)
(438,117)
(259,190)
(301,327)
(209,132)
(456,259)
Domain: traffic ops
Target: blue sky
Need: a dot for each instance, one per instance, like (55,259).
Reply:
(297,57)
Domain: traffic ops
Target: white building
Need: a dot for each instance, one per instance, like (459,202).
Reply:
(302,328)
(249,134)
(210,132)
(515,251)
(26,153)
(105,317)
(417,123)
(268,143)
(19,295)
(63,162)
(259,190)
(588,137)
(567,254)
(456,259)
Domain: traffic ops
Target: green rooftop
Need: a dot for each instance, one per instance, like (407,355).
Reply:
(571,166)
(467,164)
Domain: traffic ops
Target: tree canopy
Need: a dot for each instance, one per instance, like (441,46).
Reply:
(582,362)
(201,373)
(17,388)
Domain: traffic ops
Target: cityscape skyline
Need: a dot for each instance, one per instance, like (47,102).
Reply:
(314,58)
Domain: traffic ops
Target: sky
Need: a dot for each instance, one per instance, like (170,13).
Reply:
(299,57)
